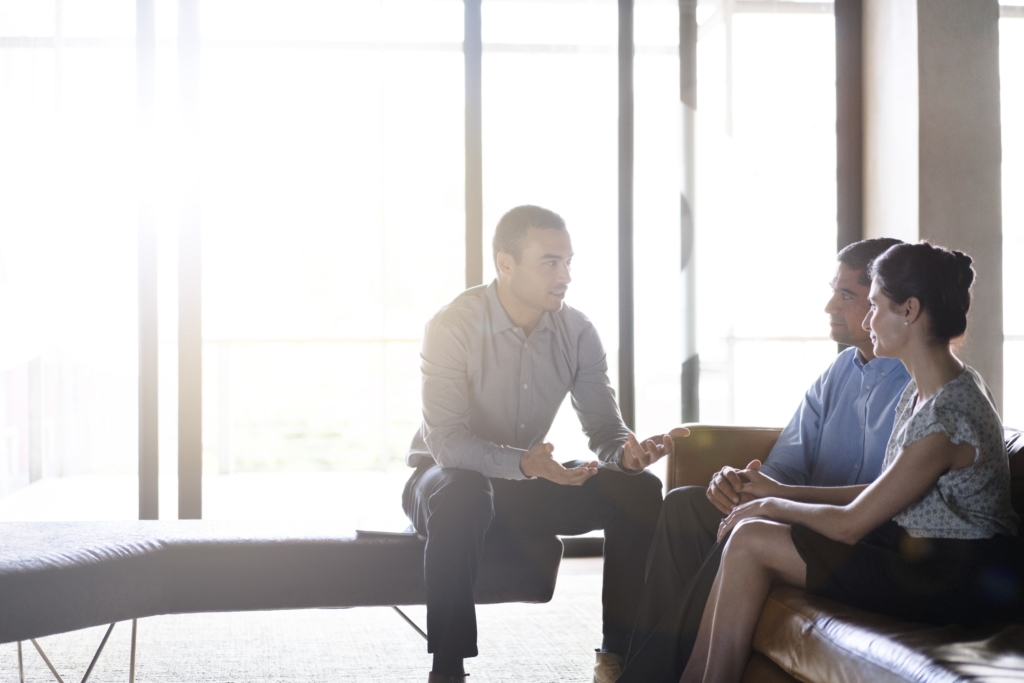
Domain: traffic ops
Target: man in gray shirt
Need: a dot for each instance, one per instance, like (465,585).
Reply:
(497,362)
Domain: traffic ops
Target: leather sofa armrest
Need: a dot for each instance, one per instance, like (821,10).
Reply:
(709,448)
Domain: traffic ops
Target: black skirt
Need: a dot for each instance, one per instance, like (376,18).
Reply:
(932,580)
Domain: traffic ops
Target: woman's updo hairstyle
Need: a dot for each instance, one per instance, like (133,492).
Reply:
(940,279)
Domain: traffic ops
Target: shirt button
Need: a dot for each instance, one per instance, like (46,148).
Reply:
(867,386)
(856,467)
(525,386)
(526,346)
(882,373)
(522,426)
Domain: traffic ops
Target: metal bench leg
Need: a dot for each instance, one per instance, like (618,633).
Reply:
(97,655)
(410,622)
(131,665)
(92,664)
(21,666)
(47,660)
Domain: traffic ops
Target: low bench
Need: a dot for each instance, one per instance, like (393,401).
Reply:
(64,576)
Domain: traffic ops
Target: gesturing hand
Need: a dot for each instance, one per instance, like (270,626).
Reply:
(637,456)
(539,461)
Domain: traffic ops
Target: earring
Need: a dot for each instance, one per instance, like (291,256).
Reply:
(905,322)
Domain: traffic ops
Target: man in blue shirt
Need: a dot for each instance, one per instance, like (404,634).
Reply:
(836,438)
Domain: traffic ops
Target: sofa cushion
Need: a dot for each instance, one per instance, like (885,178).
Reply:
(814,639)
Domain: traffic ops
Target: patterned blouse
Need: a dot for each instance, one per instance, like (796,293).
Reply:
(972,502)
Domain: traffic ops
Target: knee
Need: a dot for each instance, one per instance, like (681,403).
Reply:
(643,489)
(647,485)
(685,499)
(749,541)
(466,496)
(687,508)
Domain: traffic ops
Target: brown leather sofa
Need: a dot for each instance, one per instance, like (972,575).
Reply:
(809,639)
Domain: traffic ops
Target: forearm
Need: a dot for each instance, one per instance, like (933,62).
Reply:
(606,439)
(823,495)
(838,522)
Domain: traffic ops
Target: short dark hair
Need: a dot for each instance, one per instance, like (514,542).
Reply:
(510,235)
(939,278)
(859,255)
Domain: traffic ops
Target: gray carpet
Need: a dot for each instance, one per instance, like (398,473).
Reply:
(518,642)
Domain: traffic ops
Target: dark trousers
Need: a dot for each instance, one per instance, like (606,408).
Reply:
(456,508)
(681,569)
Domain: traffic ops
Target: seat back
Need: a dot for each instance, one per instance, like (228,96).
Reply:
(709,448)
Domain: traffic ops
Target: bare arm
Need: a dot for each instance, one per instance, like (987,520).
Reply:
(731,487)
(912,473)
(823,495)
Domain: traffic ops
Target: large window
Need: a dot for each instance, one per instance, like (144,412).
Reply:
(330,166)
(1011,77)
(333,229)
(766,209)
(68,216)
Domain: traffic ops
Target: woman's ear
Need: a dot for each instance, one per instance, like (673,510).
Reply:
(911,310)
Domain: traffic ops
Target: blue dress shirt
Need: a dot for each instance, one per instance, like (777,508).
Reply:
(838,435)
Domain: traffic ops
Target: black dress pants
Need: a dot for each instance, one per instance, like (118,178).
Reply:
(456,508)
(681,569)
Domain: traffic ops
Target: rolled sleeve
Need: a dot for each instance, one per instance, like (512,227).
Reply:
(792,458)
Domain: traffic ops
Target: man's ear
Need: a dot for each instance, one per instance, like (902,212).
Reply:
(911,309)
(505,263)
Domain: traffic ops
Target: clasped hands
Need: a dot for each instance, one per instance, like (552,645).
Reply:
(741,494)
(539,461)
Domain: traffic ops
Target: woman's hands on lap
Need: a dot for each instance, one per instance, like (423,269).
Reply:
(762,508)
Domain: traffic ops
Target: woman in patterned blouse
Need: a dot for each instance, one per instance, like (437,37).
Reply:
(933,539)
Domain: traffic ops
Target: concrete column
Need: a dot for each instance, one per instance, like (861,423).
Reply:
(933,145)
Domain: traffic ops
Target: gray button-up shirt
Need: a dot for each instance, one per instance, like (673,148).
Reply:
(490,392)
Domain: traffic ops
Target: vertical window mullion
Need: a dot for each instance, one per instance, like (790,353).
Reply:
(473,50)
(145,75)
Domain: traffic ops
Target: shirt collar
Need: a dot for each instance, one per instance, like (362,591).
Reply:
(876,364)
(499,318)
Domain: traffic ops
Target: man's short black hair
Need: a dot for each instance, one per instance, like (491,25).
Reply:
(510,235)
(859,255)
